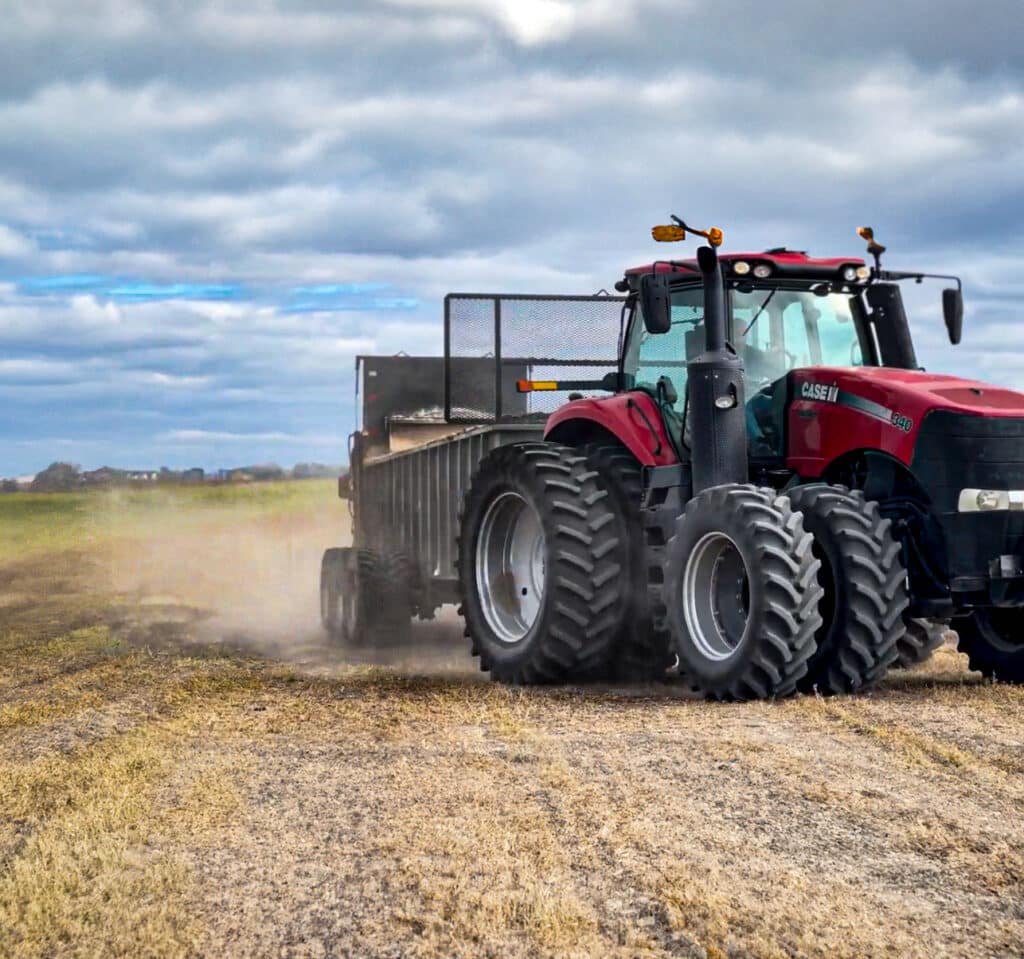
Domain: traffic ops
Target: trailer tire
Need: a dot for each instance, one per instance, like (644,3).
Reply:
(641,653)
(993,640)
(332,586)
(742,593)
(351,596)
(918,644)
(865,589)
(396,585)
(540,564)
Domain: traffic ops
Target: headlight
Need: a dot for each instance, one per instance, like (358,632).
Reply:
(762,271)
(990,500)
(863,272)
(741,267)
(849,273)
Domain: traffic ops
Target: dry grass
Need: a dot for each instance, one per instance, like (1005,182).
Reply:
(178,783)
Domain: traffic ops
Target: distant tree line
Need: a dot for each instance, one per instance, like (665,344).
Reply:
(64,477)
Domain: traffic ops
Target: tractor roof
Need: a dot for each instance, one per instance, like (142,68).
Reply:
(784,262)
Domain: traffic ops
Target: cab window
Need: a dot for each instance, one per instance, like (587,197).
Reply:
(651,356)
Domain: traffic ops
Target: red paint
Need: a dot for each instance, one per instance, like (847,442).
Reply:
(779,259)
(820,432)
(621,416)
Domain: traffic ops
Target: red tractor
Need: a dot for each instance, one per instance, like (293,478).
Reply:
(774,495)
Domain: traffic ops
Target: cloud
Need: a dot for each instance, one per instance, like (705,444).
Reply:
(203,437)
(13,244)
(207,210)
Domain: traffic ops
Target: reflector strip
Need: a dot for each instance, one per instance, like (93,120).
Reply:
(535,386)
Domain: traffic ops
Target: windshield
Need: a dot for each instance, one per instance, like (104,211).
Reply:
(774,330)
(778,330)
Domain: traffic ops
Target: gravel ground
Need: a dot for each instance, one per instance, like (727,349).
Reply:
(186,768)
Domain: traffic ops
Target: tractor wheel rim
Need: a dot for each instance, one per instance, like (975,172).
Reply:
(716,596)
(510,565)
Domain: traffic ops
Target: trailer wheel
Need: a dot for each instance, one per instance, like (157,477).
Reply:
(742,593)
(993,640)
(395,582)
(540,564)
(865,589)
(332,590)
(351,594)
(922,638)
(640,653)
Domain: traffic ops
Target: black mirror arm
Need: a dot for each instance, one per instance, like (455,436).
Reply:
(894,275)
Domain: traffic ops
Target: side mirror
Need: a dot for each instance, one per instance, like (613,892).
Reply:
(953,313)
(656,303)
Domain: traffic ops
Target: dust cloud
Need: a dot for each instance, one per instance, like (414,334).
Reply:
(226,579)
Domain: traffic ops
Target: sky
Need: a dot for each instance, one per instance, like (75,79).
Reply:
(208,209)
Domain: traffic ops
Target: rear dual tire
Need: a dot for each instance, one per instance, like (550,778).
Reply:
(640,652)
(540,565)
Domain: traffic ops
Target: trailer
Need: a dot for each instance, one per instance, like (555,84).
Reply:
(773,494)
(425,423)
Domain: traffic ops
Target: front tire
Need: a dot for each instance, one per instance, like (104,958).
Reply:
(865,589)
(742,593)
(540,564)
(993,640)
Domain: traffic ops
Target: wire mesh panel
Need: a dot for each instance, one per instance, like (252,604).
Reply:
(494,340)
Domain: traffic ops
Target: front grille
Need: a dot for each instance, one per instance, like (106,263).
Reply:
(956,451)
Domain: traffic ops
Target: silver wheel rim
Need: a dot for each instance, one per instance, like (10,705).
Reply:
(716,596)
(510,567)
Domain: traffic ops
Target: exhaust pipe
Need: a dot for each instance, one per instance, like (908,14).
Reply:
(716,412)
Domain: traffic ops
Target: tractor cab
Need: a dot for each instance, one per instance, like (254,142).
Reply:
(775,324)
(784,311)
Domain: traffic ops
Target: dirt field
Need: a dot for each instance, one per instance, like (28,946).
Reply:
(187,769)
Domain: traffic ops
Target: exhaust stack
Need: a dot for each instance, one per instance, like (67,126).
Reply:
(716,417)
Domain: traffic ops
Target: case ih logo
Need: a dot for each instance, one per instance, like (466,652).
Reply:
(823,392)
(830,393)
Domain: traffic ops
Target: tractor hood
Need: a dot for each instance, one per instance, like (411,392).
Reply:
(835,410)
(928,391)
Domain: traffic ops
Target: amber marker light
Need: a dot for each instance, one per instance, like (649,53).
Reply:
(668,234)
(536,386)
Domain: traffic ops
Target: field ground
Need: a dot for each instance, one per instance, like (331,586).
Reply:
(186,769)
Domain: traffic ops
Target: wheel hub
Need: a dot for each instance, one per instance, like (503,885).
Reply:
(716,596)
(510,566)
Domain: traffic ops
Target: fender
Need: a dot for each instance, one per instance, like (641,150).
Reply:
(631,418)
